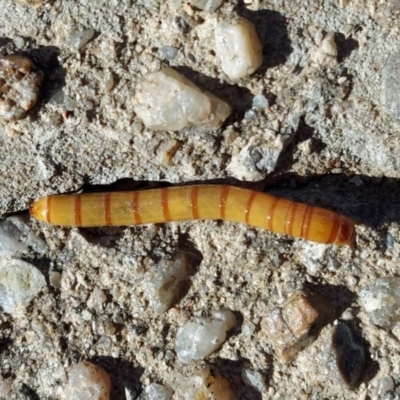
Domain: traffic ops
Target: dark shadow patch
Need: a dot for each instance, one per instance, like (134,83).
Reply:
(345,46)
(124,376)
(4,43)
(121,185)
(338,296)
(47,60)
(27,393)
(6,343)
(106,237)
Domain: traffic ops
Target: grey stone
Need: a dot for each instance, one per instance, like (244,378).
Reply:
(382,301)
(391,85)
(197,340)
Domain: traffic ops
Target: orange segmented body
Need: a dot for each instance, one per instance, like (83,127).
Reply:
(228,203)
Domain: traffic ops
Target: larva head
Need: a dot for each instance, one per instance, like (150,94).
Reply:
(39,209)
(346,234)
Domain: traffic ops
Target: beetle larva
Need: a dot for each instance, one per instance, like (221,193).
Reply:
(228,203)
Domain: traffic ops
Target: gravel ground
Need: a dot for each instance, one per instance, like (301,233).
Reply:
(343,154)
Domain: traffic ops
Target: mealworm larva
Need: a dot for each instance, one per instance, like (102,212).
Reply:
(227,203)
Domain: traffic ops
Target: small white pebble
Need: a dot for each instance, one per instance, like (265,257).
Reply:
(386,384)
(155,391)
(238,47)
(351,280)
(259,101)
(248,328)
(207,5)
(169,52)
(254,379)
(55,279)
(327,51)
(88,381)
(80,39)
(108,81)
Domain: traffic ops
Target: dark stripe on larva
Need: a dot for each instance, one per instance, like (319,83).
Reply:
(135,208)
(48,205)
(194,198)
(291,212)
(78,216)
(222,203)
(271,213)
(335,229)
(248,206)
(164,205)
(107,209)
(305,225)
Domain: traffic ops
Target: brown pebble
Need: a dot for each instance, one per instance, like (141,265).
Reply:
(297,324)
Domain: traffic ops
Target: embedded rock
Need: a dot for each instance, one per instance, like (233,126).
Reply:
(258,158)
(19,86)
(169,281)
(166,100)
(88,381)
(20,282)
(197,340)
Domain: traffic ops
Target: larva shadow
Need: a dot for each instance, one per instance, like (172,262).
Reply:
(106,237)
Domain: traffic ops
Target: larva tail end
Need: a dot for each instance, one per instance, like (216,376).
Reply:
(347,233)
